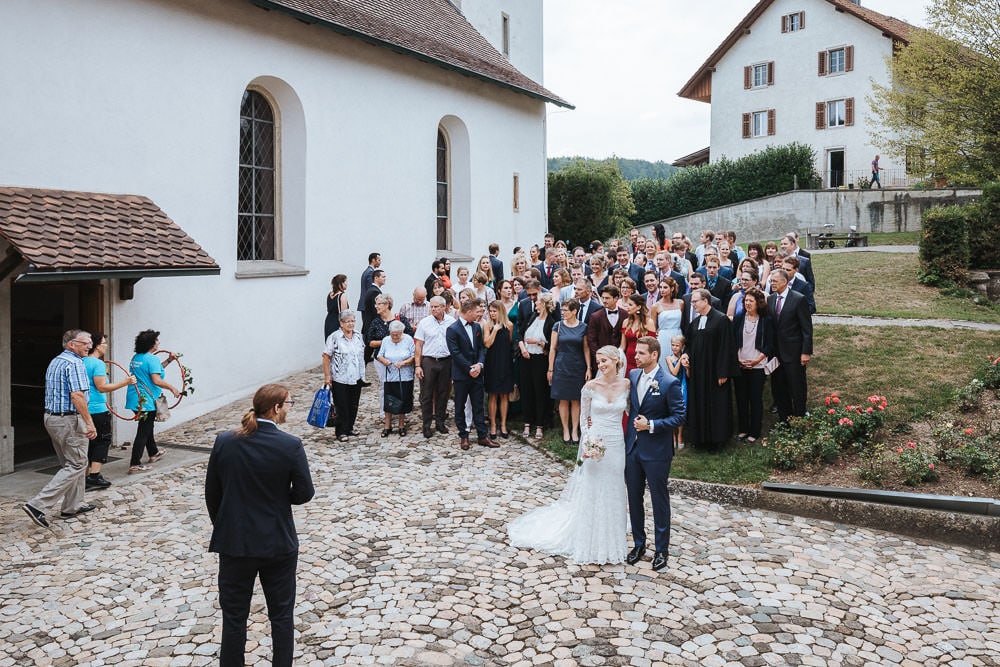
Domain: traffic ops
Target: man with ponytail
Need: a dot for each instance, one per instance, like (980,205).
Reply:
(255,474)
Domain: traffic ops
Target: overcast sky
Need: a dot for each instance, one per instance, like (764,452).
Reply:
(621,63)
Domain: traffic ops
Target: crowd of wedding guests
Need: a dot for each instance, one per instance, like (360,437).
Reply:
(496,341)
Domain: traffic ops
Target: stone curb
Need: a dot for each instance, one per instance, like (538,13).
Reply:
(976,531)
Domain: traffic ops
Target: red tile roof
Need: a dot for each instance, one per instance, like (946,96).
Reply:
(60,231)
(434,31)
(699,86)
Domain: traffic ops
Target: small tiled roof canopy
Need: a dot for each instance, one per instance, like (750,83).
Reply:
(699,86)
(434,31)
(65,235)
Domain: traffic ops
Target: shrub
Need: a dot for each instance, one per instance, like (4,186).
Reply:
(984,233)
(789,449)
(989,372)
(770,171)
(944,246)
(588,201)
(977,457)
(874,467)
(916,464)
(967,397)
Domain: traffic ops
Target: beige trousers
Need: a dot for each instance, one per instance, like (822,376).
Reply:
(69,438)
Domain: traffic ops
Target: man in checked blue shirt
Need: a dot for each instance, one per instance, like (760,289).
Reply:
(70,426)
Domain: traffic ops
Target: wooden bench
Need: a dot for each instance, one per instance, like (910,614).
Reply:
(830,240)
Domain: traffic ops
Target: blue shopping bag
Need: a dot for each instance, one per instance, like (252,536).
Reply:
(319,413)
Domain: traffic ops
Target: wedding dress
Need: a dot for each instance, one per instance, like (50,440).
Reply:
(588,523)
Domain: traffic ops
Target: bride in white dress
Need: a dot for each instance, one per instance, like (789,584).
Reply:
(588,523)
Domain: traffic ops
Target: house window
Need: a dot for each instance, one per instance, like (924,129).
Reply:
(835,113)
(443,194)
(793,22)
(836,61)
(758,124)
(505,21)
(256,224)
(517,193)
(759,75)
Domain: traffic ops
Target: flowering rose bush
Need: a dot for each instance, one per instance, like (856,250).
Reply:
(917,465)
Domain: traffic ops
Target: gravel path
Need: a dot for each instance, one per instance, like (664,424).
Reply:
(404,561)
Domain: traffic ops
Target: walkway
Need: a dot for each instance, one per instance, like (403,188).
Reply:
(404,561)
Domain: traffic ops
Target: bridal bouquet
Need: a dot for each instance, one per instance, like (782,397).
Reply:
(592,448)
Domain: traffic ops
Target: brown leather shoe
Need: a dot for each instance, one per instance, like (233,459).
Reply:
(488,442)
(465,443)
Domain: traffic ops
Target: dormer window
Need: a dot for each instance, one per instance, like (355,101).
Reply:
(793,22)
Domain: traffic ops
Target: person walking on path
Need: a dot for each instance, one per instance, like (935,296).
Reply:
(875,170)
(69,424)
(255,474)
(97,405)
(141,397)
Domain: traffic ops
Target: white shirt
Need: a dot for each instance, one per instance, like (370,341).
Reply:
(644,381)
(432,333)
(613,317)
(347,357)
(470,332)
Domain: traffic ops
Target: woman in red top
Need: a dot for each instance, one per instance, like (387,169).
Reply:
(635,326)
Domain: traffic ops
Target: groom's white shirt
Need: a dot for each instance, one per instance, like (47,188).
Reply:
(642,386)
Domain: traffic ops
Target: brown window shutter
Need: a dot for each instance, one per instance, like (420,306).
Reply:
(784,23)
(849,59)
(747,74)
(770,122)
(746,126)
(802,20)
(821,115)
(770,73)
(822,63)
(849,111)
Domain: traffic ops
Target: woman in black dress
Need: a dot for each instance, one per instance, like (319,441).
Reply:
(336,303)
(498,334)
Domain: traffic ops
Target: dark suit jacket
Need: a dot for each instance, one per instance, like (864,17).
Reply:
(806,269)
(686,318)
(635,272)
(368,312)
(793,328)
(804,253)
(428,284)
(546,279)
(723,291)
(366,283)
(601,333)
(806,290)
(497,267)
(250,487)
(764,337)
(592,307)
(463,353)
(664,407)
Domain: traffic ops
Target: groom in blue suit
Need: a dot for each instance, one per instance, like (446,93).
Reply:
(657,408)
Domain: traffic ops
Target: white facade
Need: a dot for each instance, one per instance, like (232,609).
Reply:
(143,97)
(797,88)
(524,25)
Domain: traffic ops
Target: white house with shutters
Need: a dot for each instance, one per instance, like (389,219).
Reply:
(800,70)
(204,168)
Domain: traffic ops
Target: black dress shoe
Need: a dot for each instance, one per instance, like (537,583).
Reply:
(428,432)
(442,429)
(95,482)
(659,560)
(36,515)
(82,509)
(635,555)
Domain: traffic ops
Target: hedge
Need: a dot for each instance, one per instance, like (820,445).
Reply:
(770,171)
(944,245)
(984,232)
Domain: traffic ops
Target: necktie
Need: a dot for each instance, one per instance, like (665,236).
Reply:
(777,308)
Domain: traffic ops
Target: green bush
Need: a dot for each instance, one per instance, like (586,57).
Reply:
(587,201)
(770,171)
(874,468)
(984,232)
(944,245)
(917,465)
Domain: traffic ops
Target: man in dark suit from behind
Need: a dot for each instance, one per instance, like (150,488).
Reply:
(496,264)
(793,345)
(255,474)
(374,261)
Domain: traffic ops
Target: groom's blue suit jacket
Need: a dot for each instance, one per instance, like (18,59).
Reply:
(664,406)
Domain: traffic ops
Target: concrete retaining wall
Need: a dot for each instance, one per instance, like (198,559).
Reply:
(971,530)
(809,210)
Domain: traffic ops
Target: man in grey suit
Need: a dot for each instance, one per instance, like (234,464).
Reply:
(496,264)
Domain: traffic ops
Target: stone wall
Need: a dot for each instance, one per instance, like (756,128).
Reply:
(807,211)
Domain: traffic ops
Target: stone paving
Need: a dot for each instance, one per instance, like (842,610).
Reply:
(404,561)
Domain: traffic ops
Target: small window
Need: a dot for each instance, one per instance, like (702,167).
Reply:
(505,20)
(760,75)
(517,193)
(793,22)
(836,61)
(758,124)
(256,233)
(443,194)
(835,113)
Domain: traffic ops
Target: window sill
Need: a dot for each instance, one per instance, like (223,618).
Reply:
(268,269)
(453,256)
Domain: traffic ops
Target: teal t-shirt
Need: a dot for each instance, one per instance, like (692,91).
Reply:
(143,366)
(98,402)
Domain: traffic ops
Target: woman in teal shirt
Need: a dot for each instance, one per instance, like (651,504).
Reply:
(141,399)
(97,405)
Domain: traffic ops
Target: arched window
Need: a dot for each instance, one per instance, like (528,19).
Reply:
(255,236)
(443,195)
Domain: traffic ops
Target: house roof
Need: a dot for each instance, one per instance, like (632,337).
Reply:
(433,31)
(699,86)
(67,235)
(696,159)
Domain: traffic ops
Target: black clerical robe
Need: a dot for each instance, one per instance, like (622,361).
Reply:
(712,355)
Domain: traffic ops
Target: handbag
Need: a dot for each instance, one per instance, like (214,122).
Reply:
(771,365)
(319,412)
(162,408)
(393,402)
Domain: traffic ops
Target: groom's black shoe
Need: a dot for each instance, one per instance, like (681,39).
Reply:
(659,560)
(635,555)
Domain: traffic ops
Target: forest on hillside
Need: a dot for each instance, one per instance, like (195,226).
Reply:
(631,169)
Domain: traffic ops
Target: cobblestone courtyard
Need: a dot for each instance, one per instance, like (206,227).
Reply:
(404,561)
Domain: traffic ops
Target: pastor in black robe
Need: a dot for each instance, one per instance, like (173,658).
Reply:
(712,356)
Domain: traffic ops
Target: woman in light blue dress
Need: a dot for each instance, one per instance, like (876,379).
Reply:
(667,315)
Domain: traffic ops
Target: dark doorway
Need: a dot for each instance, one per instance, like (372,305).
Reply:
(836,168)
(39,316)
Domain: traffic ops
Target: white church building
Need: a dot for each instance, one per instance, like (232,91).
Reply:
(204,169)
(802,70)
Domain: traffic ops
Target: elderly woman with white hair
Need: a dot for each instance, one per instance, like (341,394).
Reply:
(397,355)
(343,371)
